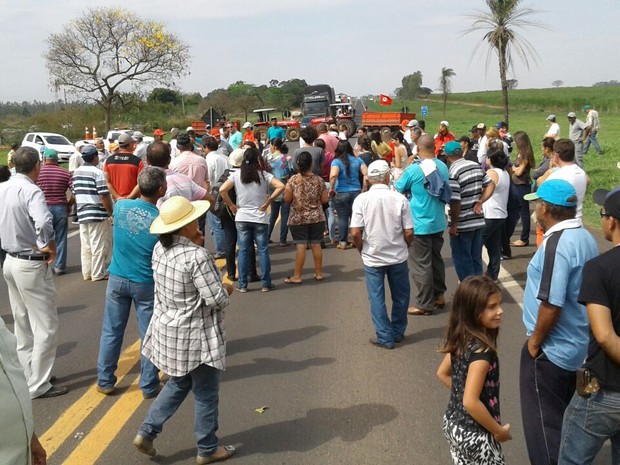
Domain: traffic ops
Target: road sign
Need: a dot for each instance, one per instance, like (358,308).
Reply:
(424,110)
(405,109)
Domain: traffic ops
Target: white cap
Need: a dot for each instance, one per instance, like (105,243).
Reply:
(413,123)
(137,135)
(550,117)
(572,114)
(444,123)
(246,125)
(378,169)
(189,128)
(481,126)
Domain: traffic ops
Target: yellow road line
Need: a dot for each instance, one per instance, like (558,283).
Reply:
(68,422)
(100,437)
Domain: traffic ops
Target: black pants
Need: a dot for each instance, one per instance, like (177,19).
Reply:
(230,232)
(546,391)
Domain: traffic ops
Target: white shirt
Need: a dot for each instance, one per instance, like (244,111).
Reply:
(553,131)
(578,178)
(496,206)
(217,164)
(384,215)
(483,147)
(250,197)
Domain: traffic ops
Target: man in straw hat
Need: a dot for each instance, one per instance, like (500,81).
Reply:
(186,337)
(382,230)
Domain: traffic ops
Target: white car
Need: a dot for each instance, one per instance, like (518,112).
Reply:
(49,140)
(114,134)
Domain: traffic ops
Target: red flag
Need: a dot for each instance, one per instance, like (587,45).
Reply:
(385,100)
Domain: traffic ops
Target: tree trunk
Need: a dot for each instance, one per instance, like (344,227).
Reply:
(504,82)
(445,100)
(107,111)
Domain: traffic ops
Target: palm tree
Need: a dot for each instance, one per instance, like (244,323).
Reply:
(445,84)
(500,25)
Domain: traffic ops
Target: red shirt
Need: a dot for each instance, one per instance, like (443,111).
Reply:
(122,170)
(440,141)
(54,181)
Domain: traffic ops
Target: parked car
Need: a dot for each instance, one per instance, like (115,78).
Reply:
(58,142)
(114,134)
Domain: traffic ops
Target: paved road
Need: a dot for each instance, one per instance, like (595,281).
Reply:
(301,351)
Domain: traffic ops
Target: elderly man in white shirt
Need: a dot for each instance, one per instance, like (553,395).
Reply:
(382,230)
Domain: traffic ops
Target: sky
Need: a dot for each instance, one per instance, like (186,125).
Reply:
(358,46)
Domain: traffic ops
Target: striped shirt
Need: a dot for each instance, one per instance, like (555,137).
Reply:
(467,180)
(187,328)
(88,187)
(54,181)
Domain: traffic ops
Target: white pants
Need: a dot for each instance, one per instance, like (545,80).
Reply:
(96,242)
(32,294)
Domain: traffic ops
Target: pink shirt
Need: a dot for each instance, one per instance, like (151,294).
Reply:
(331,142)
(191,165)
(180,184)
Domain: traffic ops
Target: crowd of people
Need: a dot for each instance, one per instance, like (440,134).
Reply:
(143,211)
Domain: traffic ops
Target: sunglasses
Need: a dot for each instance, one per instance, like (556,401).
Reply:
(604,214)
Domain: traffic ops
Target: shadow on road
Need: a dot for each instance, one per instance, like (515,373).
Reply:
(272,366)
(277,340)
(318,427)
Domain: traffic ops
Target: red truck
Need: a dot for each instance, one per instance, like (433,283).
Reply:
(384,122)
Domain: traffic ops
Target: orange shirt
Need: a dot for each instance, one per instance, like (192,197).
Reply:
(248,136)
(440,141)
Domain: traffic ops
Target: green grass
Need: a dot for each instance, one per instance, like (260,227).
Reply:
(3,154)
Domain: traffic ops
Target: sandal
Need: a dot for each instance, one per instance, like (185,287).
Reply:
(319,278)
(289,280)
(519,243)
(221,453)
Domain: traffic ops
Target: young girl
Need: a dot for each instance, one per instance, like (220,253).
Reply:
(470,369)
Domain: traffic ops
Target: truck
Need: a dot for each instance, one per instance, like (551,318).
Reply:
(386,122)
(321,105)
(290,126)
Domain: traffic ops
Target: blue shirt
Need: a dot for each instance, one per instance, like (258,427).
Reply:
(274,132)
(554,275)
(350,183)
(235,140)
(133,243)
(429,214)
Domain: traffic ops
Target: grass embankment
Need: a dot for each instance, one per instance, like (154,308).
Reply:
(529,109)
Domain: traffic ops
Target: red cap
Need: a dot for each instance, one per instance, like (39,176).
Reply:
(158,132)
(215,132)
(404,122)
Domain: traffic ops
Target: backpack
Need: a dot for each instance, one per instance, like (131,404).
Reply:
(220,206)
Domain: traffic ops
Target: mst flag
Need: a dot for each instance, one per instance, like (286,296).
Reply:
(385,100)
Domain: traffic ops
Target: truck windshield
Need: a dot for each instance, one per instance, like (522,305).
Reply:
(315,108)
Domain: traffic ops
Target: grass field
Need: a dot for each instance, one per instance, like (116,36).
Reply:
(529,109)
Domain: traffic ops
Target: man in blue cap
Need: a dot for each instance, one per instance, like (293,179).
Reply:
(556,323)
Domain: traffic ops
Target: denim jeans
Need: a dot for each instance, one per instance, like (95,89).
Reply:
(591,139)
(467,253)
(492,239)
(343,203)
(247,234)
(215,225)
(388,330)
(284,208)
(120,293)
(204,382)
(588,423)
(331,218)
(59,218)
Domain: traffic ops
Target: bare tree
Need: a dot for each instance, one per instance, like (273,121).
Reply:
(500,26)
(445,84)
(106,50)
(557,83)
(512,83)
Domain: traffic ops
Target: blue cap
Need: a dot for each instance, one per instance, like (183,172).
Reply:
(89,151)
(555,191)
(453,148)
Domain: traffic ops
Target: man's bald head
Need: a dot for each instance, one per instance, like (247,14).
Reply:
(426,146)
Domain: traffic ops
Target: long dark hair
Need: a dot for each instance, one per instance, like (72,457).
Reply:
(166,239)
(343,149)
(304,162)
(279,145)
(524,148)
(464,328)
(250,167)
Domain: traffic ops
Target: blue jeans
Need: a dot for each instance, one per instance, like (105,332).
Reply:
(331,218)
(204,382)
(247,234)
(59,218)
(278,207)
(215,225)
(591,139)
(467,253)
(120,293)
(343,203)
(587,424)
(398,279)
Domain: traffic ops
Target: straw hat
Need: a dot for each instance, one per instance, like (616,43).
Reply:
(177,212)
(236,157)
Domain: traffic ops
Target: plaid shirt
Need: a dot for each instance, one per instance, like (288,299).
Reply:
(187,328)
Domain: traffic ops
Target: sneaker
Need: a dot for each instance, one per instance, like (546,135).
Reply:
(106,390)
(376,343)
(220,454)
(271,287)
(144,445)
(54,391)
(243,290)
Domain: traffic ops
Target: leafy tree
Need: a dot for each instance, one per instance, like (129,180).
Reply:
(220,100)
(162,95)
(246,104)
(512,83)
(105,50)
(557,83)
(445,84)
(500,26)
(425,91)
(411,85)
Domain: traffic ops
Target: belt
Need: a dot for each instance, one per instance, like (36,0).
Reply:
(28,257)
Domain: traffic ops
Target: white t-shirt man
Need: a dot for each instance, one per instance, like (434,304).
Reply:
(579,180)
(553,131)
